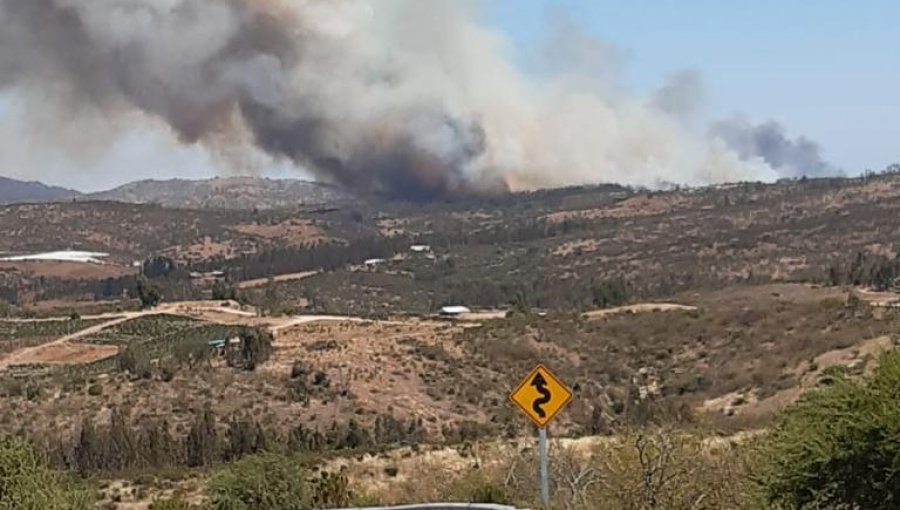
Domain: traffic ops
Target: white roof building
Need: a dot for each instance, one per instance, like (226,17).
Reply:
(454,310)
(420,248)
(61,256)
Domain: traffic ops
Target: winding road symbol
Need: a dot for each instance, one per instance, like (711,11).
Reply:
(541,396)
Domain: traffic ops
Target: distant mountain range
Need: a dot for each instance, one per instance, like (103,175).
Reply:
(13,191)
(219,193)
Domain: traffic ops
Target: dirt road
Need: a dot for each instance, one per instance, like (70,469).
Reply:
(259,282)
(639,308)
(67,349)
(41,353)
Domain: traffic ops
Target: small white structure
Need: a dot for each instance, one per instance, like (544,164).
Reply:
(61,256)
(420,248)
(454,311)
(374,262)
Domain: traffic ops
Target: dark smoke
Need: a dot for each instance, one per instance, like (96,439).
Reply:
(790,158)
(239,56)
(402,98)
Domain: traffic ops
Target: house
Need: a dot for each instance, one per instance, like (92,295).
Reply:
(420,248)
(454,311)
(374,262)
(217,344)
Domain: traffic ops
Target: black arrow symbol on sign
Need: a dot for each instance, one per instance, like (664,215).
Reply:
(540,384)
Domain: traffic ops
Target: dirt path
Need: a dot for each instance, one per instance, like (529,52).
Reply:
(259,282)
(67,349)
(297,320)
(47,352)
(639,308)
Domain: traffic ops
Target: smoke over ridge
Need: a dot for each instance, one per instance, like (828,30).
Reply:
(402,98)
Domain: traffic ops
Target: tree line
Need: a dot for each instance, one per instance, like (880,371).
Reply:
(123,444)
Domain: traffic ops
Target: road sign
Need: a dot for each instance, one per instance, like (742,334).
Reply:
(541,395)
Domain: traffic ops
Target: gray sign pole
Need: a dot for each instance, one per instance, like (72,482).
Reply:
(545,475)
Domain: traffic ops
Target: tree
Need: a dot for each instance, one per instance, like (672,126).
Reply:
(274,482)
(157,447)
(26,483)
(158,267)
(202,445)
(135,360)
(255,348)
(147,293)
(222,291)
(89,452)
(121,442)
(837,447)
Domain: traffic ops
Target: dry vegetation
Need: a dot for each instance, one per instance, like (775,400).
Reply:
(712,306)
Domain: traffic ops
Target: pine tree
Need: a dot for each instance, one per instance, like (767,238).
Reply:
(121,445)
(202,445)
(88,453)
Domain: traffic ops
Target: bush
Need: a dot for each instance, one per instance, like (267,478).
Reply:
(148,293)
(489,492)
(837,447)
(27,483)
(135,360)
(173,503)
(167,373)
(255,348)
(95,390)
(274,482)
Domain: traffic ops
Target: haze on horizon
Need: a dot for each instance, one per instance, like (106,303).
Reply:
(786,88)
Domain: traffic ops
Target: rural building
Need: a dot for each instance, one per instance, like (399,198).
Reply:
(454,311)
(420,248)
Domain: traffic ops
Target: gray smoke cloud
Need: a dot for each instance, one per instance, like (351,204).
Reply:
(402,98)
(767,141)
(682,96)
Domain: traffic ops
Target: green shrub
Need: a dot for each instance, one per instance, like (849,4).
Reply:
(26,483)
(274,482)
(173,503)
(95,390)
(838,446)
(490,492)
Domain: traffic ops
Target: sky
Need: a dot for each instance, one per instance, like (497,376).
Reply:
(828,70)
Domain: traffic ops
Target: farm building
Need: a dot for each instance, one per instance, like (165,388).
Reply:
(454,311)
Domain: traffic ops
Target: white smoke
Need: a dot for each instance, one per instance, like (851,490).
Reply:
(401,97)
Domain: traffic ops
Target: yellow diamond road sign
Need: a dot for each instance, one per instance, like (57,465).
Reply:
(541,395)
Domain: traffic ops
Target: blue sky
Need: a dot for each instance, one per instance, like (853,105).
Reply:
(826,69)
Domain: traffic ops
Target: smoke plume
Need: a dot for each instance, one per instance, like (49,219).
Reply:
(402,98)
(767,141)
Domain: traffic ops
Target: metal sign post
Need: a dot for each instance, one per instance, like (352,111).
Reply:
(541,396)
(545,471)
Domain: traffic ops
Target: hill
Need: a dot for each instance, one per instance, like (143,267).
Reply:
(713,307)
(13,191)
(223,193)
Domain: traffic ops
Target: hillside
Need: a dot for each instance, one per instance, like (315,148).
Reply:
(716,307)
(13,191)
(224,193)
